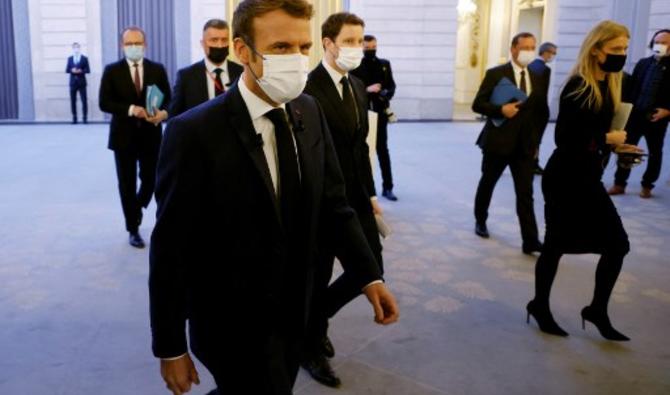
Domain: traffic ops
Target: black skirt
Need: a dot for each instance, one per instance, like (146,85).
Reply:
(579,214)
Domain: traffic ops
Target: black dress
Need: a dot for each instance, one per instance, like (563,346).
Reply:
(580,216)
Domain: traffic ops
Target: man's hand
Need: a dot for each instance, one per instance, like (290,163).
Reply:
(139,112)
(383,303)
(510,110)
(628,148)
(659,114)
(159,116)
(376,207)
(374,88)
(616,137)
(179,374)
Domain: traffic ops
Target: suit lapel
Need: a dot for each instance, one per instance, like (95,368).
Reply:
(304,144)
(247,133)
(201,80)
(326,84)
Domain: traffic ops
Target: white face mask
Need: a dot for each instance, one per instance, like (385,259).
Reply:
(525,57)
(284,76)
(349,58)
(660,49)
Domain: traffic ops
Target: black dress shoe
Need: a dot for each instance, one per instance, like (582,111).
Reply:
(135,240)
(319,368)
(481,230)
(327,347)
(74,121)
(530,248)
(388,193)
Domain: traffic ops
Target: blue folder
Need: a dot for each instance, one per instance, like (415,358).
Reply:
(505,92)
(154,99)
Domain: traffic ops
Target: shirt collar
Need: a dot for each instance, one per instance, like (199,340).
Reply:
(518,69)
(211,66)
(131,63)
(334,74)
(256,106)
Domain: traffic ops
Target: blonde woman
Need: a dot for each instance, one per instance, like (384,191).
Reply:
(580,216)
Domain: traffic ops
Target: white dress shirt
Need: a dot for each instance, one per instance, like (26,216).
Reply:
(211,75)
(140,69)
(517,76)
(336,76)
(76,58)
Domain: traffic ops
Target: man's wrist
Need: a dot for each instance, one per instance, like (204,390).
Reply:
(373,283)
(174,358)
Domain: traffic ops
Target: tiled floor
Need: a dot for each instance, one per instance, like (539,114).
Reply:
(74,307)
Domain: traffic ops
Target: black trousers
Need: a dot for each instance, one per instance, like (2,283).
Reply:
(521,167)
(73,101)
(259,366)
(654,134)
(328,298)
(383,151)
(132,199)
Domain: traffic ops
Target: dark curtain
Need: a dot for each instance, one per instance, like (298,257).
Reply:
(156,18)
(9,101)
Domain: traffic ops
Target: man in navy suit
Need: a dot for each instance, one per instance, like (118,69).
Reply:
(649,91)
(344,100)
(77,67)
(135,132)
(246,184)
(539,66)
(513,143)
(209,77)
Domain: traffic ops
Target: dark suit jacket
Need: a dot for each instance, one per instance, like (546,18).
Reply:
(117,93)
(373,71)
(634,85)
(219,254)
(191,86)
(540,68)
(515,135)
(352,150)
(77,80)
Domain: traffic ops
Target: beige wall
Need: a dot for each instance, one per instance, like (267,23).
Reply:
(419,38)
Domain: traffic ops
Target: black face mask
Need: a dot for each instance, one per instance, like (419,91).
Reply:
(370,53)
(613,63)
(218,55)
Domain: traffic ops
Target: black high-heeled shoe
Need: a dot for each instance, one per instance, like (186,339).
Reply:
(602,322)
(544,319)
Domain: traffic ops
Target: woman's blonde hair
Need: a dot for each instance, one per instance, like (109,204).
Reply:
(587,64)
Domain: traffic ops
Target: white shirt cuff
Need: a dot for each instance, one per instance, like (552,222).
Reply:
(373,283)
(373,198)
(174,358)
(130,110)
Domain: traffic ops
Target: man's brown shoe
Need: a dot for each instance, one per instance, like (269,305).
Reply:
(645,193)
(617,190)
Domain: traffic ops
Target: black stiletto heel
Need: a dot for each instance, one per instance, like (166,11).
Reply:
(544,319)
(602,322)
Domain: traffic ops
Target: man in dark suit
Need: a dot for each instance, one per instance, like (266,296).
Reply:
(134,133)
(649,91)
(539,66)
(343,99)
(77,66)
(209,77)
(378,78)
(513,143)
(247,182)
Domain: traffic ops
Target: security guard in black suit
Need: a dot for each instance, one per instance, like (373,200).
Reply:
(378,78)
